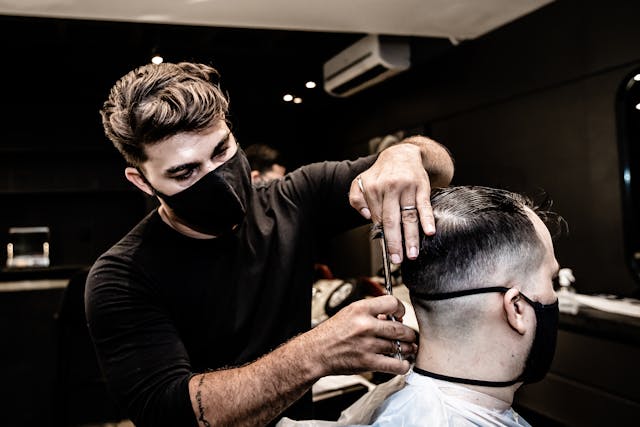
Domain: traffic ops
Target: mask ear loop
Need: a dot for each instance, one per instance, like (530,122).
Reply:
(457,294)
(146,181)
(537,305)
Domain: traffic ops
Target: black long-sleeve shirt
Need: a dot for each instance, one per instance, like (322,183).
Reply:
(163,307)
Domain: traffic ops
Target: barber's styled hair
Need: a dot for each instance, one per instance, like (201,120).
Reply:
(480,232)
(157,101)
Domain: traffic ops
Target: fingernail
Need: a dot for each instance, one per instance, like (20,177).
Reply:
(430,229)
(365,213)
(395,258)
(413,252)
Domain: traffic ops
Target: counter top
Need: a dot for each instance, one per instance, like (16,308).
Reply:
(611,326)
(33,285)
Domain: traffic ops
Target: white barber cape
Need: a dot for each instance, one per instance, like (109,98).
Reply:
(419,401)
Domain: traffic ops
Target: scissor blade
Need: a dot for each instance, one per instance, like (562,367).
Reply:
(386,265)
(377,233)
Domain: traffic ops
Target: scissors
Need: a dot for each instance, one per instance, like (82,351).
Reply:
(377,232)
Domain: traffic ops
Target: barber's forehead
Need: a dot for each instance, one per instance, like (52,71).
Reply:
(186,144)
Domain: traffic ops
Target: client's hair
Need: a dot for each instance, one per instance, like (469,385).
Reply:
(154,102)
(482,233)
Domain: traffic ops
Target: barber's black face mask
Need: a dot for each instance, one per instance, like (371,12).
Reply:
(542,350)
(216,202)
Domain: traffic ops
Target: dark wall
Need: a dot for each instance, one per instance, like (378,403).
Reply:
(528,107)
(57,168)
(79,192)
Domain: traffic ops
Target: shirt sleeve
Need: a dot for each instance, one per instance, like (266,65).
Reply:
(321,191)
(138,347)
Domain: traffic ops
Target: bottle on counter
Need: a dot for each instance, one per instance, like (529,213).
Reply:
(567,302)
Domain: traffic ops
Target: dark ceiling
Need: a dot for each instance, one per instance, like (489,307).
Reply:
(58,72)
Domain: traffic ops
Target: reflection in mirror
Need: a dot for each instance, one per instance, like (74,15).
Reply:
(628,117)
(28,247)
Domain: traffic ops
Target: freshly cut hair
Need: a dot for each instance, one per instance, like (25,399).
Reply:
(481,232)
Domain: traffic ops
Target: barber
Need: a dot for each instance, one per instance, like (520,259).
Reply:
(199,315)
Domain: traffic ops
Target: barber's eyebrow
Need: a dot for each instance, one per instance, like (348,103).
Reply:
(185,166)
(181,167)
(220,145)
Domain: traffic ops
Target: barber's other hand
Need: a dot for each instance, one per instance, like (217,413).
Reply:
(356,340)
(396,180)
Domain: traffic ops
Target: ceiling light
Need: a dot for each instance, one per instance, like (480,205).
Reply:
(637,106)
(287,98)
(310,84)
(297,100)
(636,77)
(157,59)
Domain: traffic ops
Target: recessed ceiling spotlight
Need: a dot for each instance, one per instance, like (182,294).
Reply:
(287,98)
(637,106)
(297,100)
(157,59)
(636,77)
(310,84)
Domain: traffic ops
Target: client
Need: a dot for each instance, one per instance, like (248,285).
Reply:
(482,290)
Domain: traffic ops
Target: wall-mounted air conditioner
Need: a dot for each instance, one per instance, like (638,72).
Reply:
(368,61)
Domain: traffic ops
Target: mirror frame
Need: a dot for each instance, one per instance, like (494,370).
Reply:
(628,124)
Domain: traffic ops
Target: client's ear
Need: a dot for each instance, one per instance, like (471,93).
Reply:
(133,175)
(514,309)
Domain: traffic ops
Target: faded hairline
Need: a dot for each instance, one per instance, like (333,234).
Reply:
(484,238)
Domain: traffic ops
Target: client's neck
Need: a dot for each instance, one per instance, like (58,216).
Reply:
(472,361)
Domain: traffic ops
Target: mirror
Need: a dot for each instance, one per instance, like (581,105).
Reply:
(28,247)
(628,118)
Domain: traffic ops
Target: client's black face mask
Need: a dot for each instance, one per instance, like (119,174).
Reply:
(542,350)
(216,202)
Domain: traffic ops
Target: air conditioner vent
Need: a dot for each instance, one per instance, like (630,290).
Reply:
(368,61)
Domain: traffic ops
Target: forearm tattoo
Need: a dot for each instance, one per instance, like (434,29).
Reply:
(201,417)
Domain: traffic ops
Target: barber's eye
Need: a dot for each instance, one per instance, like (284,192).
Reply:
(220,151)
(184,175)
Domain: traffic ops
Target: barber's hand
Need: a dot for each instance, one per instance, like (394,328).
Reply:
(357,340)
(395,192)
